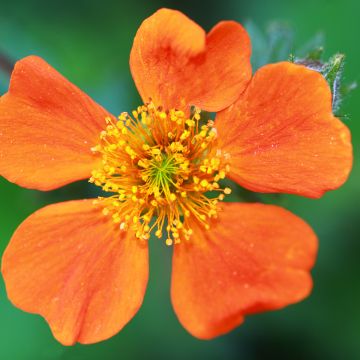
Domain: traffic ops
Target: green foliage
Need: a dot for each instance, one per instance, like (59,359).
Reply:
(332,70)
(276,44)
(272,45)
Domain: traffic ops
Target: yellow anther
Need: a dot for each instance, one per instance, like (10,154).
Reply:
(215,162)
(162,115)
(185,135)
(212,212)
(143,164)
(203,168)
(190,123)
(156,151)
(184,165)
(123,116)
(157,166)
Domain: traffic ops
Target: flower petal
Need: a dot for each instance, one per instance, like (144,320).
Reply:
(73,266)
(175,64)
(254,258)
(282,135)
(47,127)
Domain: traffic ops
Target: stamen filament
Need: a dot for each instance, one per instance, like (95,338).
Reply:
(158,166)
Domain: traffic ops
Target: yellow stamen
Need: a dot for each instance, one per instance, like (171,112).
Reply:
(158,165)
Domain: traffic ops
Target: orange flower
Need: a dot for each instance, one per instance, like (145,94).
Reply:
(83,265)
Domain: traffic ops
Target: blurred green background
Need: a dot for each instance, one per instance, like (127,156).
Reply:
(89,42)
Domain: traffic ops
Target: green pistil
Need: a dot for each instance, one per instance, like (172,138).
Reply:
(162,173)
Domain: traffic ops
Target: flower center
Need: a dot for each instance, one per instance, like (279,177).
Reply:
(159,166)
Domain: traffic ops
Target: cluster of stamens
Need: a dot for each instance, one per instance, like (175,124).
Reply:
(158,165)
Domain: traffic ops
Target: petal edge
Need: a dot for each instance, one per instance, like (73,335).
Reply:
(282,136)
(47,128)
(175,64)
(71,265)
(254,258)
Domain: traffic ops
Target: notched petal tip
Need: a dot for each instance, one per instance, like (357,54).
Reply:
(172,62)
(255,258)
(70,264)
(282,136)
(47,128)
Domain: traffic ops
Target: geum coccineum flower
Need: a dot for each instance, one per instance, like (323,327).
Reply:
(83,265)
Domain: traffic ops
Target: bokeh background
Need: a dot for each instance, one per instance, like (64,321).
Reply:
(89,42)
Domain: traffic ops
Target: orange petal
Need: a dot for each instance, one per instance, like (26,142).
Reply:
(47,127)
(282,135)
(73,266)
(175,64)
(254,258)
